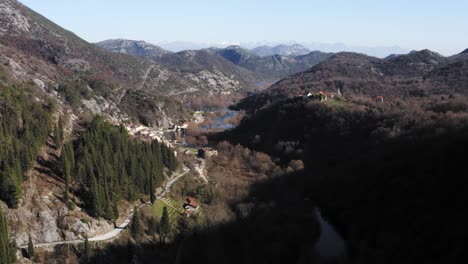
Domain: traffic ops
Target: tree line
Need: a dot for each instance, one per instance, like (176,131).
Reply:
(108,166)
(24,127)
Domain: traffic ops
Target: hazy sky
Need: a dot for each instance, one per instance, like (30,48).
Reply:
(413,24)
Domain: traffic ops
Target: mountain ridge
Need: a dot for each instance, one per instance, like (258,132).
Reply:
(415,74)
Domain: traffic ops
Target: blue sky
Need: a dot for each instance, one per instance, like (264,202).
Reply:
(412,24)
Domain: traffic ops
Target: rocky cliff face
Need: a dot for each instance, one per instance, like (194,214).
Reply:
(53,64)
(34,49)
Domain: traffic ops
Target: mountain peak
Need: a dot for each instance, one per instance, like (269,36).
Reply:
(464,52)
(138,48)
(283,50)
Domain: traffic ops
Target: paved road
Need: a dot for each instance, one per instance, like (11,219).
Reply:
(116,232)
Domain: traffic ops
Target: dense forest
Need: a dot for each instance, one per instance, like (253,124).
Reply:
(24,127)
(389,176)
(7,247)
(108,166)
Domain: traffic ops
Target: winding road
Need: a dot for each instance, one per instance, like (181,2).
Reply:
(116,232)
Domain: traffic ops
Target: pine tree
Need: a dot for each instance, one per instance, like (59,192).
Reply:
(115,211)
(31,252)
(152,190)
(165,225)
(96,205)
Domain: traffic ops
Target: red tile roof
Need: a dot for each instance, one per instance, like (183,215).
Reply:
(192,202)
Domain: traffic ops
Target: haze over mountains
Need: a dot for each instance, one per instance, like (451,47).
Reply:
(378,51)
(232,65)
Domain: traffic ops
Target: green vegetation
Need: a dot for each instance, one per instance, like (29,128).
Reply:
(165,227)
(108,167)
(24,127)
(58,133)
(192,151)
(87,250)
(7,249)
(31,251)
(174,208)
(136,229)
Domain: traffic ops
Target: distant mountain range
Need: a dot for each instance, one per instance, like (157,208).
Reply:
(274,66)
(377,51)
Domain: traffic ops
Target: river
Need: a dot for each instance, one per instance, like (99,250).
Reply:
(330,245)
(219,122)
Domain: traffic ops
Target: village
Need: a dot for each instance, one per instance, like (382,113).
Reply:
(196,156)
(324,96)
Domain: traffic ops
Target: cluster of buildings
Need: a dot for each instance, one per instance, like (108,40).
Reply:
(145,133)
(324,96)
(321,96)
(148,134)
(207,152)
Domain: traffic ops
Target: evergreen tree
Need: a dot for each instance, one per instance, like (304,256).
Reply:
(136,228)
(152,226)
(165,227)
(110,166)
(115,210)
(152,190)
(96,204)
(60,133)
(24,127)
(31,252)
(13,248)
(5,254)
(87,250)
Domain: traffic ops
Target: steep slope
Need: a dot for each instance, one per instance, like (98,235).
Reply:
(89,78)
(208,72)
(284,50)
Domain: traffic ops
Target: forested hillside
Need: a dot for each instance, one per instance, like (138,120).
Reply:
(108,166)
(388,175)
(24,127)
(7,247)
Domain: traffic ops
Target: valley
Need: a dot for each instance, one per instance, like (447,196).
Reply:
(121,151)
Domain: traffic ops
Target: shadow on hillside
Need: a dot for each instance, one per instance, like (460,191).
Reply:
(276,223)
